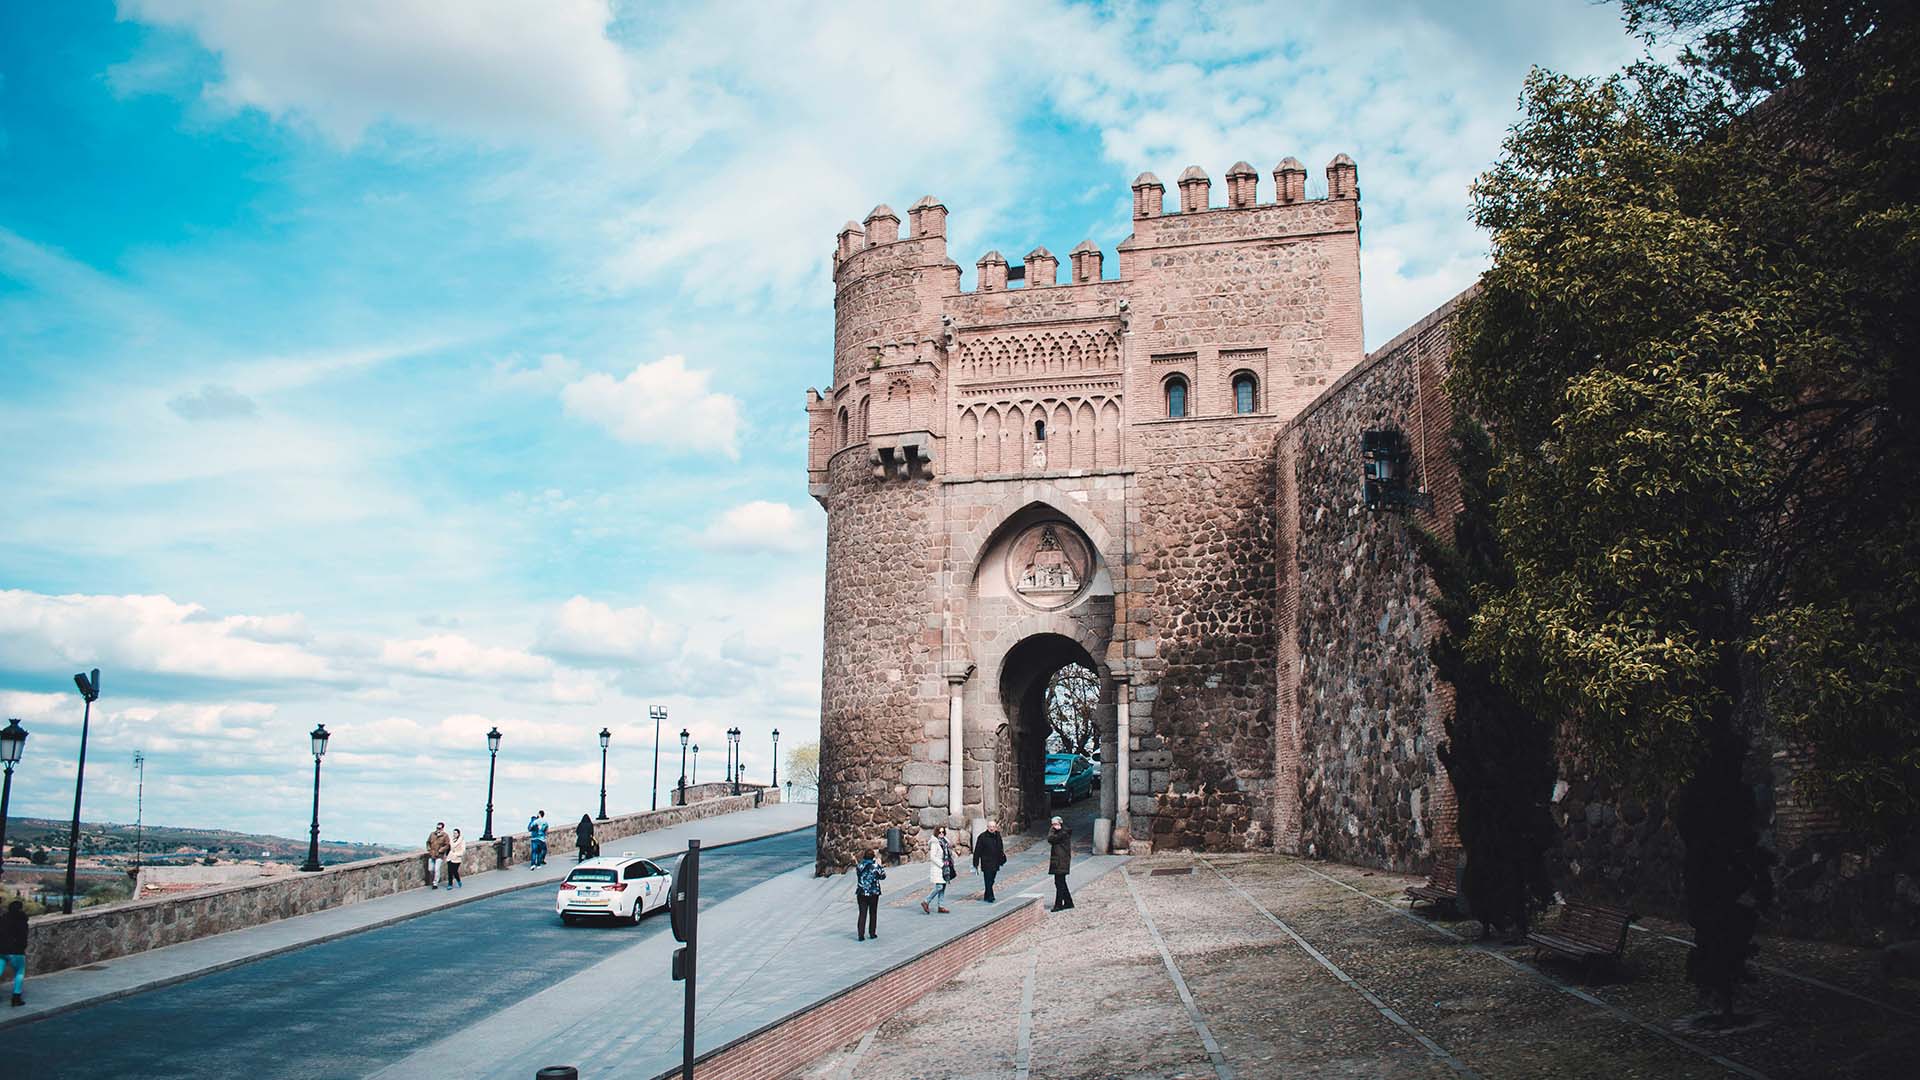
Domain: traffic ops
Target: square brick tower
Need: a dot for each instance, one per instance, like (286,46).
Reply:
(1040,473)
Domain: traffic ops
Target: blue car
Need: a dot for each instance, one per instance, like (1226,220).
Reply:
(1069,777)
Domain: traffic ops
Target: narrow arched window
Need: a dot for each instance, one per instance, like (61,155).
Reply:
(1039,431)
(843,426)
(1176,397)
(1246,393)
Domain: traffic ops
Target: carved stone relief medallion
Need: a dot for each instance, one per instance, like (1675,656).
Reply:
(1048,565)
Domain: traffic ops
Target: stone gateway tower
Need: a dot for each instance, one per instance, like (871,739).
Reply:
(1043,472)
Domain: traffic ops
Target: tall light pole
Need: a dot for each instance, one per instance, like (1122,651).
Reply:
(13,741)
(605,737)
(89,690)
(733,737)
(658,713)
(493,758)
(683,766)
(696,764)
(319,737)
(139,816)
(776,761)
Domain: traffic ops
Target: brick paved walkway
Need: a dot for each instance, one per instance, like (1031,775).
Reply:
(1263,966)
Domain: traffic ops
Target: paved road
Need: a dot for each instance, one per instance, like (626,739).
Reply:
(346,1008)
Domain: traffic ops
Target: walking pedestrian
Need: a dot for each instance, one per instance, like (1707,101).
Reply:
(939,871)
(13,948)
(1060,862)
(456,854)
(866,893)
(437,845)
(989,855)
(537,840)
(583,841)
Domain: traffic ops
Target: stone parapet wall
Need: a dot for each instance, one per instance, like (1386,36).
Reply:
(93,935)
(717,789)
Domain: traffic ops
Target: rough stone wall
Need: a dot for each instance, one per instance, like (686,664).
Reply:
(880,689)
(93,935)
(1372,790)
(1201,633)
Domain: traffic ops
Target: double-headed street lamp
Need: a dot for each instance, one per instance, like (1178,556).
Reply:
(319,737)
(658,713)
(493,758)
(605,737)
(13,741)
(776,761)
(683,766)
(733,744)
(90,690)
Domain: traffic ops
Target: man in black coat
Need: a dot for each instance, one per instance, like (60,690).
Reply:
(989,855)
(13,948)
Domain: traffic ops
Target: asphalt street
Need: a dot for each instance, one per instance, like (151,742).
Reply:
(348,1007)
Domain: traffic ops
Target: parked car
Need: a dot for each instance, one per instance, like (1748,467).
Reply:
(1069,777)
(613,887)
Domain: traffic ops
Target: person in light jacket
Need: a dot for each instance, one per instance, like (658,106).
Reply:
(939,871)
(456,853)
(989,855)
(1060,862)
(537,840)
(866,893)
(437,844)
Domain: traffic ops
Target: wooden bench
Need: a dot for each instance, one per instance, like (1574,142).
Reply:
(1585,932)
(1443,884)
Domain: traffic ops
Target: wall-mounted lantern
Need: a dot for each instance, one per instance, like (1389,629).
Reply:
(1387,463)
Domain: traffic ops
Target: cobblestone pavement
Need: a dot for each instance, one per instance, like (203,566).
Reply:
(1248,966)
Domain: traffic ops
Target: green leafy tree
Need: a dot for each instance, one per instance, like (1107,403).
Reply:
(1498,753)
(1695,345)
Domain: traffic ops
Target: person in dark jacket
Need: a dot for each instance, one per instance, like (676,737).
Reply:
(866,893)
(13,948)
(583,840)
(1060,862)
(989,855)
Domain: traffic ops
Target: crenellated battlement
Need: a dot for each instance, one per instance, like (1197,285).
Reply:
(1243,188)
(926,220)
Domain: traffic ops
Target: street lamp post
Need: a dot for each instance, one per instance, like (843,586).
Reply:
(13,740)
(683,766)
(734,736)
(658,713)
(319,737)
(605,737)
(493,758)
(696,764)
(89,690)
(776,759)
(789,791)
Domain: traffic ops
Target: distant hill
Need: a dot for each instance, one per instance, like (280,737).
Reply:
(163,843)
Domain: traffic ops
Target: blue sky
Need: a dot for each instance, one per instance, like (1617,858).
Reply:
(417,367)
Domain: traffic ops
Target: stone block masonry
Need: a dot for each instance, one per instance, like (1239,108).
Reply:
(94,935)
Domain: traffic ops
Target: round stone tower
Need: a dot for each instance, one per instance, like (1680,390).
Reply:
(873,460)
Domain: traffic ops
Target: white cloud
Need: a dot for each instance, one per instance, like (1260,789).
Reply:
(147,634)
(213,401)
(664,404)
(479,67)
(767,526)
(592,632)
(454,656)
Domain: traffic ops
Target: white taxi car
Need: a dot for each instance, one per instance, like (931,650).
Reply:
(610,887)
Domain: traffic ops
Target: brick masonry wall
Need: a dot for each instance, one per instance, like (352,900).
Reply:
(778,1049)
(94,935)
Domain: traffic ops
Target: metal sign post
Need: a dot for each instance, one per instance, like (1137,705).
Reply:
(685,915)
